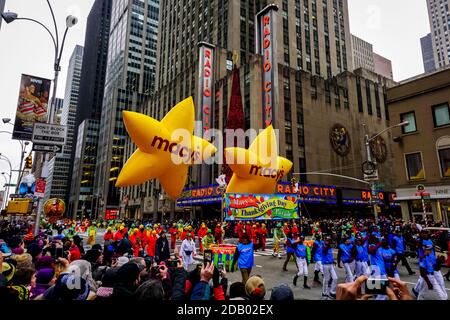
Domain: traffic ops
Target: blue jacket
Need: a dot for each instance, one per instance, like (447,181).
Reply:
(201,291)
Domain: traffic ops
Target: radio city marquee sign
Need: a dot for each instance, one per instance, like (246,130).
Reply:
(266,23)
(206,84)
(310,192)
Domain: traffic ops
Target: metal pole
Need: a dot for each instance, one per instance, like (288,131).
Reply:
(372,184)
(424,208)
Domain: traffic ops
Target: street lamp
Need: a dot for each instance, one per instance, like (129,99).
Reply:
(370,160)
(70,22)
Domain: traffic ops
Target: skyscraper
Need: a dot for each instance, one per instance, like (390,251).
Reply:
(429,64)
(2,8)
(130,79)
(365,57)
(312,52)
(439,14)
(60,168)
(87,124)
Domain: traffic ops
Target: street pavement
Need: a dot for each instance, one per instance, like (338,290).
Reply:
(270,269)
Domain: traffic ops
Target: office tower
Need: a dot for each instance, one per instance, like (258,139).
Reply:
(2,8)
(60,168)
(362,54)
(59,103)
(427,53)
(130,79)
(312,52)
(87,124)
(383,66)
(439,14)
(365,57)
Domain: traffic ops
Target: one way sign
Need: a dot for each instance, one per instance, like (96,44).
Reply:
(46,148)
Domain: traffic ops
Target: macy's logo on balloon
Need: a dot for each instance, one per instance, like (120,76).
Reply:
(267,172)
(175,148)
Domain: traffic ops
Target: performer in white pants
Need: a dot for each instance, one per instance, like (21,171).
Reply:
(329,273)
(302,262)
(345,255)
(431,288)
(316,254)
(361,258)
(187,251)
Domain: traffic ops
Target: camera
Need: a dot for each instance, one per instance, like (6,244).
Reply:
(207,257)
(172,263)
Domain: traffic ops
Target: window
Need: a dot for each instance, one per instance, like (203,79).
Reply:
(411,118)
(443,149)
(441,115)
(414,166)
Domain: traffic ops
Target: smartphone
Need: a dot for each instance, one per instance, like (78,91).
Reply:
(220,266)
(375,286)
(172,263)
(207,257)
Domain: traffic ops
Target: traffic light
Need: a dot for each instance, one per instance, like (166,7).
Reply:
(28,162)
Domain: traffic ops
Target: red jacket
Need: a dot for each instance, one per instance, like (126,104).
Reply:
(263,233)
(108,236)
(173,231)
(118,235)
(218,232)
(202,232)
(151,246)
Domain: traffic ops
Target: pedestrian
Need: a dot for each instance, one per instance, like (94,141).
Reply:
(302,262)
(187,251)
(329,273)
(316,254)
(244,257)
(398,244)
(345,255)
(162,248)
(430,288)
(290,249)
(278,237)
(361,254)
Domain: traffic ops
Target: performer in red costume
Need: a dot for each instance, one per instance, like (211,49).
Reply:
(218,234)
(173,231)
(201,234)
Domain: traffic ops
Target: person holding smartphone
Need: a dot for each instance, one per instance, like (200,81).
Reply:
(244,257)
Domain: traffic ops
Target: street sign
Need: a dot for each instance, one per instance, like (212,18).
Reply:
(371,177)
(47,148)
(39,190)
(47,133)
(10,184)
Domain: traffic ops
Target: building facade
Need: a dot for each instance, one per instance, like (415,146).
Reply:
(426,43)
(2,8)
(439,15)
(313,55)
(422,148)
(89,110)
(130,79)
(383,66)
(365,57)
(60,167)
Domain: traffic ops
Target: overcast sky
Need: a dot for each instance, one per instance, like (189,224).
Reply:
(393,27)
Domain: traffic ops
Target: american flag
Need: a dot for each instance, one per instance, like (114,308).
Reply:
(26,107)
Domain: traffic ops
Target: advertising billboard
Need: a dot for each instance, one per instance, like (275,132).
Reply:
(260,207)
(32,105)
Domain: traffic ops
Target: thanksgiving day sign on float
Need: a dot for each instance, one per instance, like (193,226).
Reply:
(260,207)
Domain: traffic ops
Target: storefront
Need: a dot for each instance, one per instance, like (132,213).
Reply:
(436,206)
(314,201)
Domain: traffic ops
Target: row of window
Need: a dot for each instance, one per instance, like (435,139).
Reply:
(414,164)
(441,117)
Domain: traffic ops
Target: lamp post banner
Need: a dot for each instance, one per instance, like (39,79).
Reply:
(32,105)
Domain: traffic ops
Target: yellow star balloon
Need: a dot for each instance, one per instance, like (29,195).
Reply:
(259,168)
(166,148)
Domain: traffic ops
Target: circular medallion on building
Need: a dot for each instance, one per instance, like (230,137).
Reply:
(379,149)
(340,140)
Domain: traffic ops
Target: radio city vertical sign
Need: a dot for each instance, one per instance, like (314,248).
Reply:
(266,29)
(205,105)
(206,84)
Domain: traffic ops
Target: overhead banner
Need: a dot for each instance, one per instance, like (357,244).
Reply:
(260,207)
(266,24)
(205,99)
(32,105)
